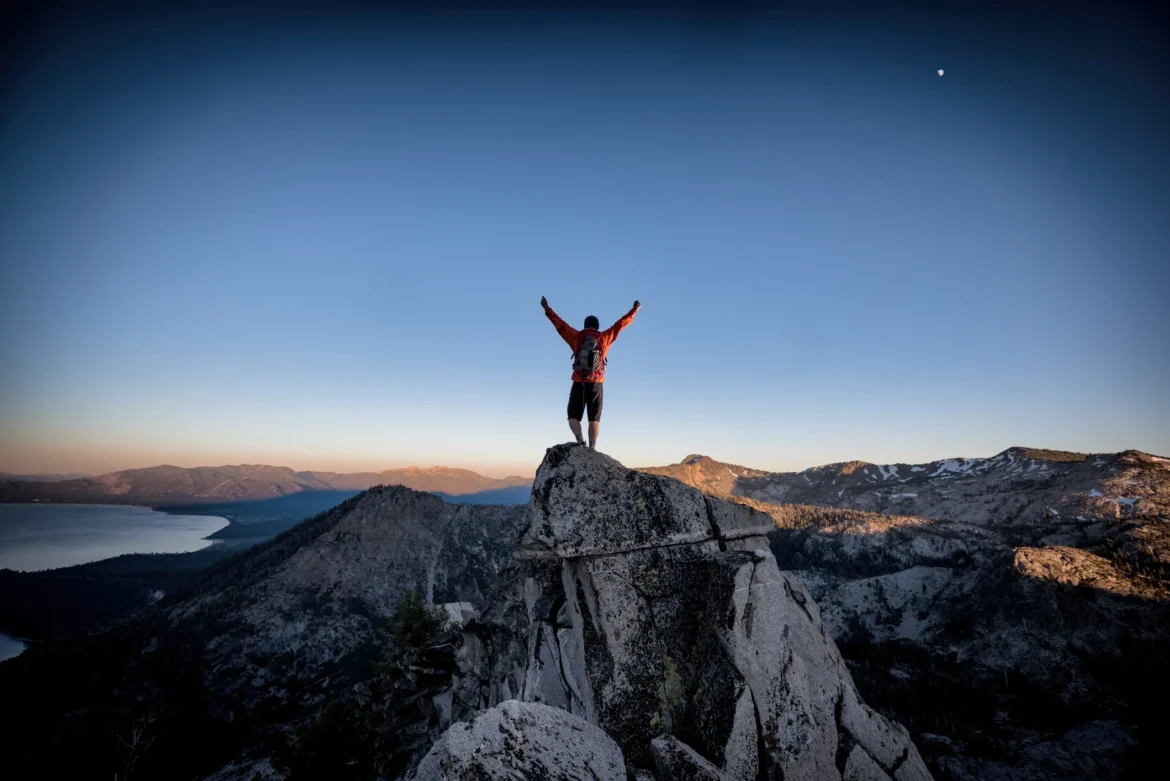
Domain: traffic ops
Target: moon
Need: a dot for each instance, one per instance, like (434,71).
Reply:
(940,71)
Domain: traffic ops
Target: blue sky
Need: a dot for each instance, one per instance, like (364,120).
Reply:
(320,241)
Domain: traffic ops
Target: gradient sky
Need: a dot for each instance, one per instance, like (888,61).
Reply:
(320,239)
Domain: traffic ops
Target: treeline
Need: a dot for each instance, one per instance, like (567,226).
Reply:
(384,727)
(1142,553)
(54,603)
(134,702)
(1058,456)
(126,702)
(807,516)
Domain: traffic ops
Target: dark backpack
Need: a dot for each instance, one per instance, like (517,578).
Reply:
(588,359)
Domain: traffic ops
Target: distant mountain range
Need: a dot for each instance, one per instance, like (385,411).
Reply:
(1019,485)
(44,478)
(172,485)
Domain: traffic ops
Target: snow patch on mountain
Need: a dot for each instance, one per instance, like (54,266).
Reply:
(955,465)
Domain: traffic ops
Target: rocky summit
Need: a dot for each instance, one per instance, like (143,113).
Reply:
(653,611)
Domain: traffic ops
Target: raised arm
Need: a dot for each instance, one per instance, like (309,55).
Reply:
(567,332)
(611,333)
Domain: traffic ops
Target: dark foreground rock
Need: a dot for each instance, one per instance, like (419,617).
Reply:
(516,740)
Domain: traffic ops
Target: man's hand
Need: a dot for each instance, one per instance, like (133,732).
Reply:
(637,305)
(544,302)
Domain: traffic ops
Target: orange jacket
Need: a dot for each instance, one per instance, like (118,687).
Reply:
(604,339)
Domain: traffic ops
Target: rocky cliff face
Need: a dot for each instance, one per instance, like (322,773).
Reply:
(650,610)
(1021,629)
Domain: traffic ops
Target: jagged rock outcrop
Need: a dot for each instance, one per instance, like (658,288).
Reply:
(649,609)
(523,740)
(591,505)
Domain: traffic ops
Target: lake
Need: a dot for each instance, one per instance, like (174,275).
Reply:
(48,536)
(10,647)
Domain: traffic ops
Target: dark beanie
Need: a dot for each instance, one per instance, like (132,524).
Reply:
(591,322)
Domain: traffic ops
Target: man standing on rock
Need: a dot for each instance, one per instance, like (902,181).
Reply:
(590,347)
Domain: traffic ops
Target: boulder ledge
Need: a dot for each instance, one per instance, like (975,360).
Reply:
(523,740)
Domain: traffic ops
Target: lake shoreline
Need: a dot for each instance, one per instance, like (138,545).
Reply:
(12,646)
(165,509)
(57,535)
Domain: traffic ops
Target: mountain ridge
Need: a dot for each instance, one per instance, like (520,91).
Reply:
(167,484)
(1042,454)
(1017,483)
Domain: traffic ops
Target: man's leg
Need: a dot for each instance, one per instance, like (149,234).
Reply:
(575,427)
(576,410)
(595,398)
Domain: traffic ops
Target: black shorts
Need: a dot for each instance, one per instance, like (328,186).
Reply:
(586,394)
